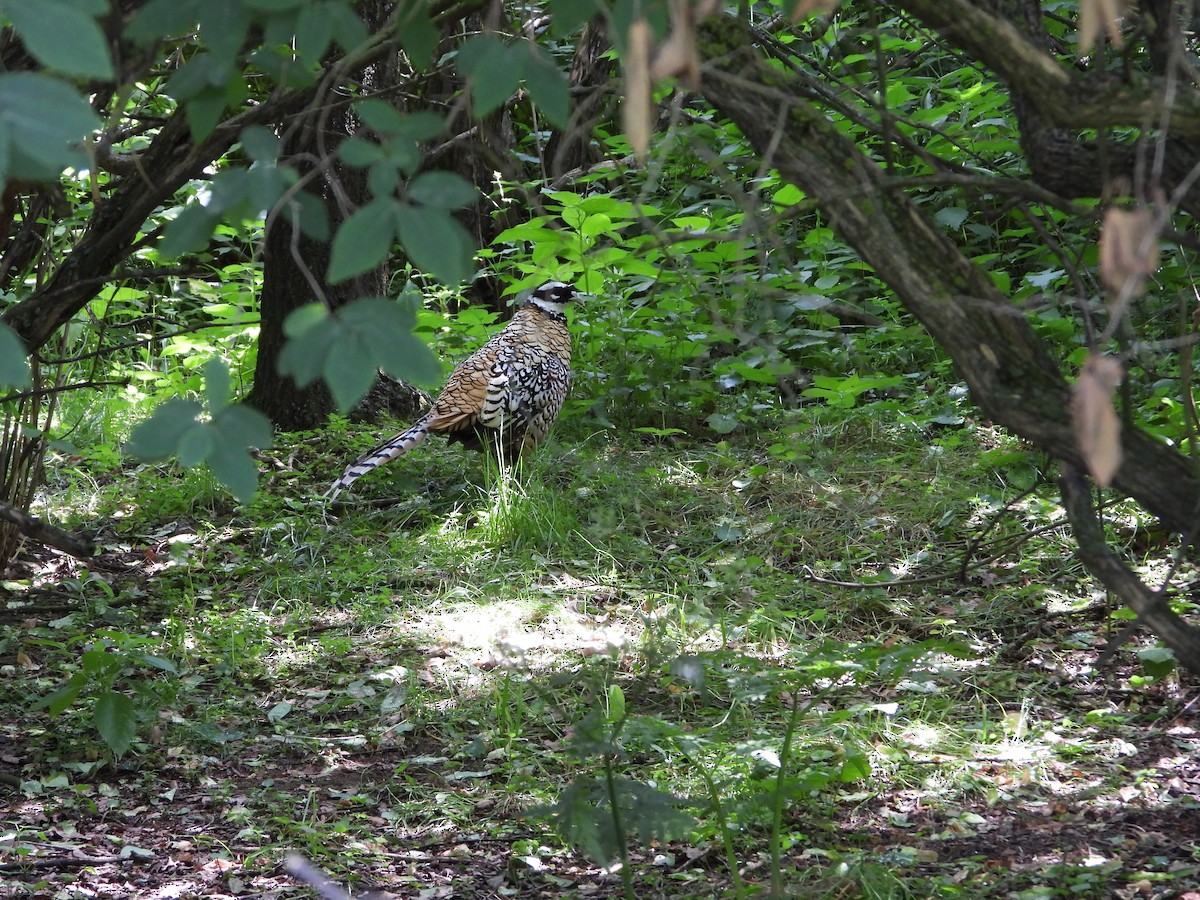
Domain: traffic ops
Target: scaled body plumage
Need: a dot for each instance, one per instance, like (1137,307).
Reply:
(505,395)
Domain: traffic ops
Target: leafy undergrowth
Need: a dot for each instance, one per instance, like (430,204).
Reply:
(860,663)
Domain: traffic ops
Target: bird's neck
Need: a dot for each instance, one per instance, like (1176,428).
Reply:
(549,307)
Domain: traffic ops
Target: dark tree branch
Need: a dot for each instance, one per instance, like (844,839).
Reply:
(1012,376)
(1071,99)
(36,530)
(1151,606)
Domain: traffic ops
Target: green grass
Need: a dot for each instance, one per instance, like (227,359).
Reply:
(659,618)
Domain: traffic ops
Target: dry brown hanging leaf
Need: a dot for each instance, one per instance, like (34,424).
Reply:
(1097,427)
(638,108)
(678,56)
(1128,252)
(805,7)
(1100,15)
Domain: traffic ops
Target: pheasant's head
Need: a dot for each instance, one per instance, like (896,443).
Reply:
(553,297)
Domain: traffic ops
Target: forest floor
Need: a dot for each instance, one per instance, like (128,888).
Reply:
(843,660)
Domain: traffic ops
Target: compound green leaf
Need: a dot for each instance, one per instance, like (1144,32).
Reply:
(61,37)
(159,436)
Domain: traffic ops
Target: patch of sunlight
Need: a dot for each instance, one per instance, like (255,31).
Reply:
(518,629)
(920,735)
(1066,602)
(1016,750)
(680,473)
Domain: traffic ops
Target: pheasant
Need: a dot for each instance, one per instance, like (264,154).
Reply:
(504,396)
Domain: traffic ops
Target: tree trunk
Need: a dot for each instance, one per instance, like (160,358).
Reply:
(294,267)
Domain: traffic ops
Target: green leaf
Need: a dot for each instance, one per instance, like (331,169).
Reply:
(547,84)
(348,29)
(363,242)
(313,217)
(204,111)
(4,154)
(275,6)
(160,663)
(195,445)
(61,37)
(435,243)
(856,767)
(40,146)
(303,356)
(385,328)
(224,25)
(349,371)
(418,36)
(443,190)
(14,369)
(314,32)
(160,19)
(244,426)
(493,69)
(116,720)
(380,116)
(60,698)
(217,385)
(235,468)
(1157,662)
(305,318)
(187,232)
(159,436)
(722,423)
(261,144)
(421,126)
(359,152)
(568,16)
(616,703)
(383,178)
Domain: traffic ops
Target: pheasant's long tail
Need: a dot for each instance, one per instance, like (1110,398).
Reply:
(397,446)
